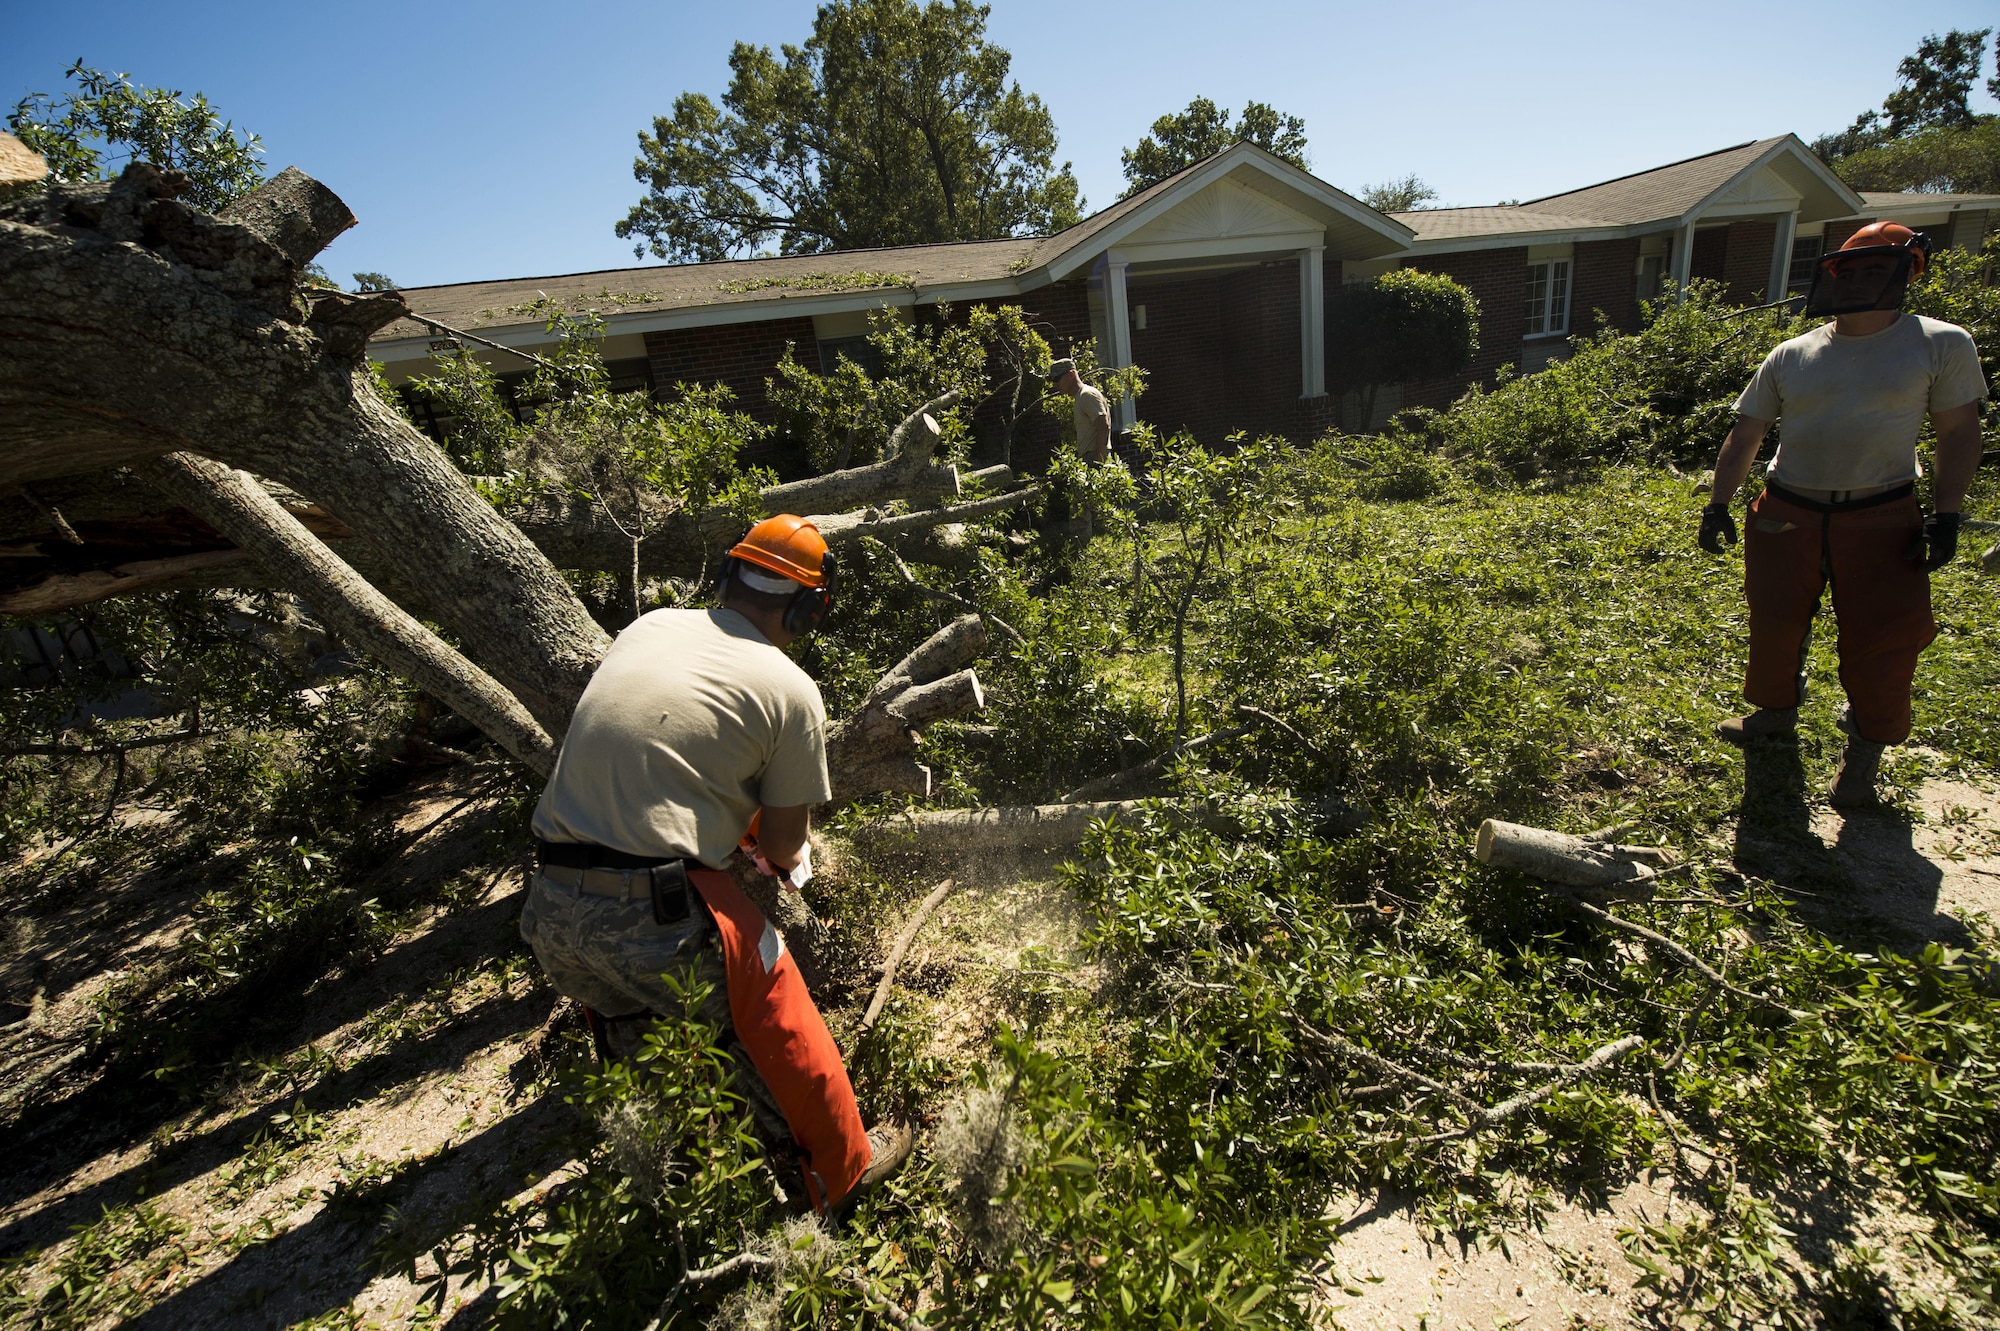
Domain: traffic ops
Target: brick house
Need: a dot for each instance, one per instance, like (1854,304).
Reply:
(1215,281)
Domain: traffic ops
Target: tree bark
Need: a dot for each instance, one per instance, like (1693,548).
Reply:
(875,748)
(232,370)
(1006,828)
(235,504)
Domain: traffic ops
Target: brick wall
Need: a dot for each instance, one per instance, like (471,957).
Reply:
(1496,278)
(1182,348)
(1746,265)
(741,356)
(1711,252)
(1259,351)
(1838,232)
(1603,277)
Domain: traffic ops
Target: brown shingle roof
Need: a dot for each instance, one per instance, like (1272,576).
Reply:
(477,305)
(1664,191)
(1463,223)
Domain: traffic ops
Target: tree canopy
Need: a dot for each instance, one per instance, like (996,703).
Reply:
(108,120)
(1179,140)
(1398,196)
(1926,135)
(894,124)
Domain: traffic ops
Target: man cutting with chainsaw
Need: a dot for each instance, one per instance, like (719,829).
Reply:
(1839,507)
(695,727)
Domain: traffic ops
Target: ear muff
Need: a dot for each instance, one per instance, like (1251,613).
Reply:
(809,608)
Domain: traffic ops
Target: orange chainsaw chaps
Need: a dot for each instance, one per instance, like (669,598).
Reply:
(787,1042)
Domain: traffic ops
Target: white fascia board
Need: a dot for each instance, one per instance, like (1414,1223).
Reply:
(1520,240)
(1175,251)
(1222,164)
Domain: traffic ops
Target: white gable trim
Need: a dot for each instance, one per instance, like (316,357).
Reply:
(1238,155)
(1717,202)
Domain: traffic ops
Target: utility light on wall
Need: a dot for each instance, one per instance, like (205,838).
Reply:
(1139,317)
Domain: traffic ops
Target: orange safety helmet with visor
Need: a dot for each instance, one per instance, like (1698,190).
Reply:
(1871,271)
(792,548)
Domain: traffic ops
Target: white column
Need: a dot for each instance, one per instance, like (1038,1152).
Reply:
(1118,324)
(1781,257)
(1312,321)
(1683,258)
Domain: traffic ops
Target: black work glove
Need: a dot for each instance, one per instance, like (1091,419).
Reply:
(1717,526)
(1937,544)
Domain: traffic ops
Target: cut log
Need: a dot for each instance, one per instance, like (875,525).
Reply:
(875,748)
(235,504)
(1622,872)
(19,164)
(294,212)
(1023,827)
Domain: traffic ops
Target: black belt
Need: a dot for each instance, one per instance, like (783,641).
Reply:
(584,855)
(1842,506)
(665,880)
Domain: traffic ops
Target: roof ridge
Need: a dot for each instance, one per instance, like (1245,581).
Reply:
(1632,175)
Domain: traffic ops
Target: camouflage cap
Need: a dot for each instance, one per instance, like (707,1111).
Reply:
(1061,368)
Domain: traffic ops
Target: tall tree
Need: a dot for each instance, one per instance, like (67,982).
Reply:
(1398,196)
(1179,140)
(1935,92)
(108,120)
(1937,82)
(895,124)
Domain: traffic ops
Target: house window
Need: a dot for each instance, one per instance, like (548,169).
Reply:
(1652,276)
(1548,297)
(1805,253)
(857,349)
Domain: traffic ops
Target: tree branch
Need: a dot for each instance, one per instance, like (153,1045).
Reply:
(234,503)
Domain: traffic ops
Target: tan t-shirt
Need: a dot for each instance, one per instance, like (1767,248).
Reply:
(1851,406)
(691,722)
(1090,407)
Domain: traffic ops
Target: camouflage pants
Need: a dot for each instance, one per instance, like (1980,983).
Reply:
(610,955)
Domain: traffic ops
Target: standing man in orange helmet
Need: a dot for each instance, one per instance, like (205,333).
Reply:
(1839,506)
(695,728)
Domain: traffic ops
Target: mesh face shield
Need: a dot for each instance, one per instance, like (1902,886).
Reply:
(1872,277)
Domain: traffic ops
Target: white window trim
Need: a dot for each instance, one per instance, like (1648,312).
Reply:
(1549,312)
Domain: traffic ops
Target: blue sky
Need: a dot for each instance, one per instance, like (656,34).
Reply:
(496,140)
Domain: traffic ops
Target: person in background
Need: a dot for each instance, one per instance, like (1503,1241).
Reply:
(1839,506)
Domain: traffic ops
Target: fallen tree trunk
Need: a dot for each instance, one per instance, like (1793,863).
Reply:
(234,368)
(133,327)
(1005,828)
(130,538)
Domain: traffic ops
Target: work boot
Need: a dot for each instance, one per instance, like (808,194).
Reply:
(1764,723)
(889,1144)
(1854,783)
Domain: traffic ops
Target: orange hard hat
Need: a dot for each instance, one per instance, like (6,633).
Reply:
(1891,236)
(787,545)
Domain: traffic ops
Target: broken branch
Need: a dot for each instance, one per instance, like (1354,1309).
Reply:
(903,941)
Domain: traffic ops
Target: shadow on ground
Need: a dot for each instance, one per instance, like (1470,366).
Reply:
(1859,876)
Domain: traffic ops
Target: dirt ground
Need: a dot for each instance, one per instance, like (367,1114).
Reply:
(410,1082)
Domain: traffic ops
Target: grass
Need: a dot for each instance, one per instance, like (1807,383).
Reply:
(1169,1134)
